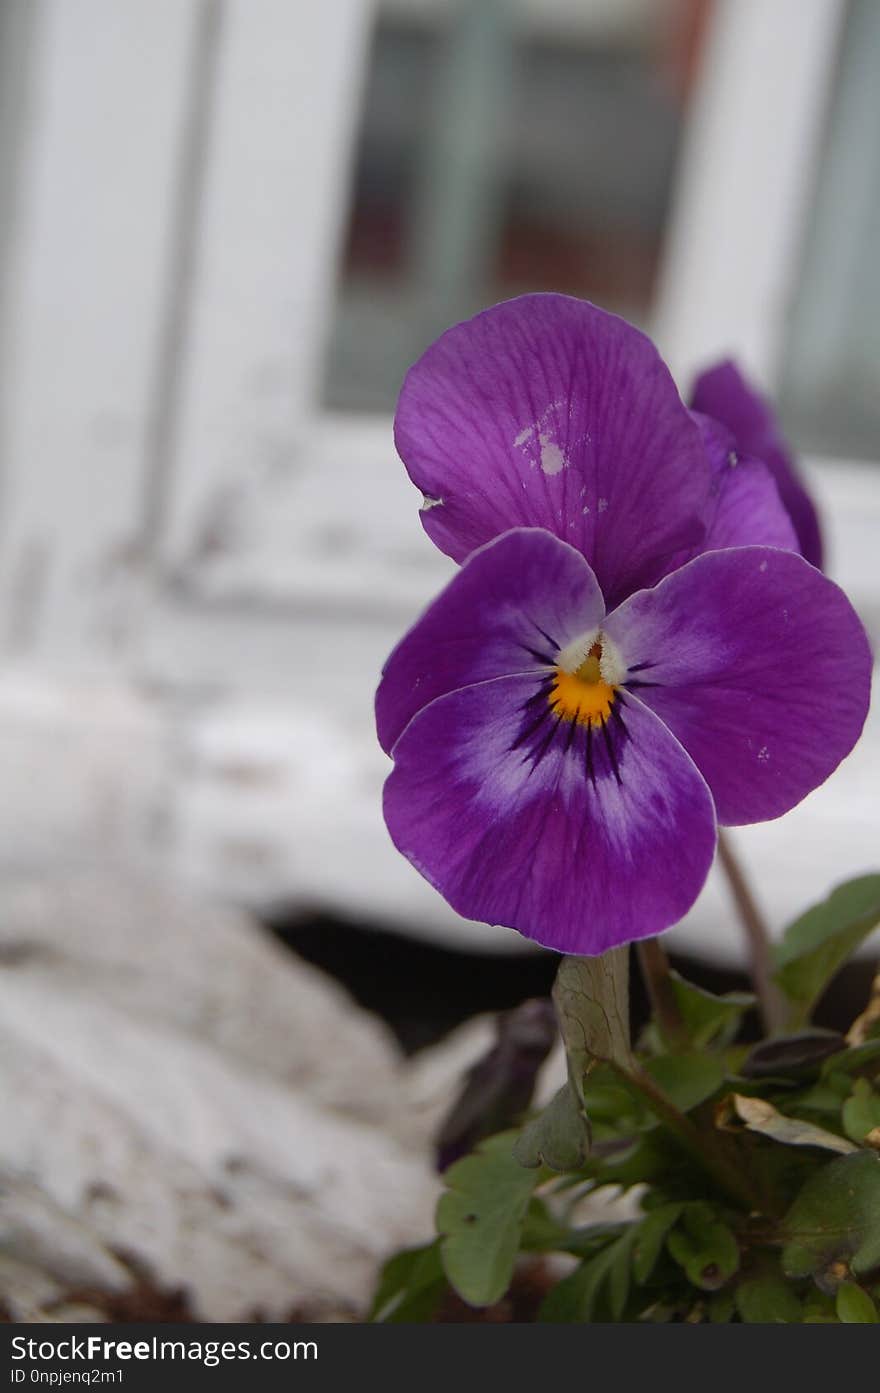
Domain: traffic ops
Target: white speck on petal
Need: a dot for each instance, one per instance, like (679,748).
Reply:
(603,504)
(586,509)
(552,458)
(763,566)
(763,754)
(520,440)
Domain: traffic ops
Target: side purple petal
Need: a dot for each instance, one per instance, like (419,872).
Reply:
(746,508)
(759,665)
(513,605)
(548,412)
(723,393)
(580,837)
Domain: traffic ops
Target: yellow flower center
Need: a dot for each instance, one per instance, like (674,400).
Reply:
(583,695)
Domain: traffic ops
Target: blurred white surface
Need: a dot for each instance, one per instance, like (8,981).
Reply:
(201,570)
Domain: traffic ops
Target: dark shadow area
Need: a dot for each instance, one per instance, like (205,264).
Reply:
(423,991)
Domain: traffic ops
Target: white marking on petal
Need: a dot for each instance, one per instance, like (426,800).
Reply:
(611,665)
(428,503)
(577,652)
(550,455)
(552,458)
(603,504)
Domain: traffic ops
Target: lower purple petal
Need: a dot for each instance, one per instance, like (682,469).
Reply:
(582,837)
(759,665)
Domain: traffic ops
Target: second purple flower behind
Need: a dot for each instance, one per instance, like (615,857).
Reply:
(632,652)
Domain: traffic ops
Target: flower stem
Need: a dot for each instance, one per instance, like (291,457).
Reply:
(591,1000)
(769,996)
(654,965)
(702,1148)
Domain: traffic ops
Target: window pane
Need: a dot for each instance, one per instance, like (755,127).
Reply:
(831,395)
(505,148)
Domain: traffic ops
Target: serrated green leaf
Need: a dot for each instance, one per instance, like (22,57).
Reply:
(861,1112)
(835,1217)
(687,1079)
(542,1232)
(480,1219)
(651,1237)
(620,1275)
(573,1300)
(705,1247)
(767,1299)
(410,1288)
(761,1116)
(709,1019)
(559,1137)
(854,1306)
(819,942)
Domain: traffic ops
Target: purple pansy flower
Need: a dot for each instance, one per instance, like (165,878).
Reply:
(617,667)
(724,394)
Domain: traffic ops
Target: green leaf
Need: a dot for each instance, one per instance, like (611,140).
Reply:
(861,1112)
(722,1307)
(767,1299)
(708,1019)
(761,1116)
(574,1299)
(542,1232)
(705,1247)
(853,1060)
(819,942)
(834,1218)
(559,1137)
(854,1305)
(687,1079)
(819,1309)
(410,1288)
(651,1237)
(620,1273)
(480,1219)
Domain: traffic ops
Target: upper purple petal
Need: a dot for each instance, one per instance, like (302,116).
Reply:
(580,846)
(548,412)
(759,665)
(723,392)
(510,609)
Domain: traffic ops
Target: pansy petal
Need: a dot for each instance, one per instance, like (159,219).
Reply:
(723,392)
(548,412)
(513,605)
(579,836)
(747,509)
(761,668)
